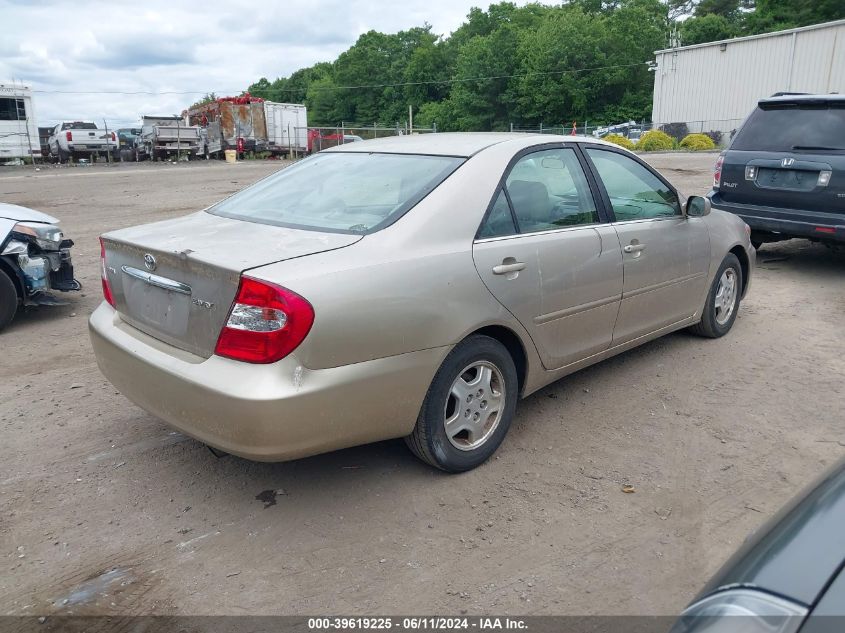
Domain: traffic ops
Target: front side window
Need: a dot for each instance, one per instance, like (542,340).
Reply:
(350,192)
(548,190)
(635,193)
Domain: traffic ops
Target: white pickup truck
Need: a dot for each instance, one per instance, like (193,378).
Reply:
(78,139)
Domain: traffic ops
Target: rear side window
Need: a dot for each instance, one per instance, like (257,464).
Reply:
(785,129)
(548,190)
(500,221)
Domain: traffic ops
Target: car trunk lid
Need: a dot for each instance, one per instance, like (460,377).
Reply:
(176,280)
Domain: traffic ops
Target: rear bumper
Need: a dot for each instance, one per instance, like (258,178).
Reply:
(263,412)
(787,222)
(90,149)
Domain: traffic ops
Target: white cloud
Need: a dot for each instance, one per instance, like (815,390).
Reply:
(111,46)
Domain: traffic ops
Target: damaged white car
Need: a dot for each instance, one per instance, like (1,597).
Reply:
(34,260)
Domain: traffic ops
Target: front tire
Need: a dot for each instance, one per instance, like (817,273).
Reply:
(468,408)
(722,301)
(8,300)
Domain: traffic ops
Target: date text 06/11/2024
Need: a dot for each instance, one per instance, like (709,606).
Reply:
(415,623)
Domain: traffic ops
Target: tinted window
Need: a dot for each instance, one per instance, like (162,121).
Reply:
(12,109)
(635,193)
(500,221)
(548,190)
(783,129)
(342,191)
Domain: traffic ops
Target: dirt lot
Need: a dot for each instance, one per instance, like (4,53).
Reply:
(103,509)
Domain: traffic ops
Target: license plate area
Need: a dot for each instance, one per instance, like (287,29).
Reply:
(164,310)
(787,179)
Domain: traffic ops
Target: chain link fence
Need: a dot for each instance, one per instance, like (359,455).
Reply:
(320,138)
(720,130)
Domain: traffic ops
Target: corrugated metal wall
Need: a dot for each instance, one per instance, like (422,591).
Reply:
(713,89)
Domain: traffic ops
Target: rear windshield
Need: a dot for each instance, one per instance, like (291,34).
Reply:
(342,192)
(79,125)
(794,128)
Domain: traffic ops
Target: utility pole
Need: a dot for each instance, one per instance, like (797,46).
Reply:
(178,140)
(29,141)
(108,152)
(410,119)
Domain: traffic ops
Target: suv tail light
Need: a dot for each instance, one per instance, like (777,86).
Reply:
(717,171)
(107,293)
(69,136)
(113,137)
(266,323)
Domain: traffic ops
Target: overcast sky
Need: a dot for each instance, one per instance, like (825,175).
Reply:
(172,46)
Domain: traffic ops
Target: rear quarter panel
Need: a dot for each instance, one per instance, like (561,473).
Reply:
(727,231)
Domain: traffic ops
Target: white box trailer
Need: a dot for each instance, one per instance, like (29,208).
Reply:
(287,127)
(18,127)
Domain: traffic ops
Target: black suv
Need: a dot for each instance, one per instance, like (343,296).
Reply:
(784,171)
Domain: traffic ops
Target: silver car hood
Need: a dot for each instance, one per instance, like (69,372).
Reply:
(22,214)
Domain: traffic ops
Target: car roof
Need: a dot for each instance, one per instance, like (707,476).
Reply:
(796,98)
(462,144)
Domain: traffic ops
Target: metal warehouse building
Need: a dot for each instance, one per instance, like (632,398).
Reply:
(714,86)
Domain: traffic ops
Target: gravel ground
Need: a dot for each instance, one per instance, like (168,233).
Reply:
(105,510)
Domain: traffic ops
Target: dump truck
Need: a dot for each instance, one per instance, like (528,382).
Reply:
(166,136)
(251,124)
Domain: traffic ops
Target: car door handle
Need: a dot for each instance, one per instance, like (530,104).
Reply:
(634,248)
(504,269)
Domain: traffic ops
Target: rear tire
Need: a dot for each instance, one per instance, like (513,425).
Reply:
(468,408)
(723,300)
(8,300)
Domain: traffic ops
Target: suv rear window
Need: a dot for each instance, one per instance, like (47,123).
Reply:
(791,127)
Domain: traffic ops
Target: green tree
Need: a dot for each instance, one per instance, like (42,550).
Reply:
(707,28)
(774,15)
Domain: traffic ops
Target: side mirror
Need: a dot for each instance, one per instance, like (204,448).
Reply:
(698,206)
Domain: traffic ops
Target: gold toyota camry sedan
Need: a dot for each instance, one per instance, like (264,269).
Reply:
(412,287)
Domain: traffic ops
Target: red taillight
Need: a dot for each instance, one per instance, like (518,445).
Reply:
(113,137)
(266,323)
(107,294)
(717,172)
(825,229)
(69,136)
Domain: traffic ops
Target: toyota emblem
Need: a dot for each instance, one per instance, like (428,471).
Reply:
(149,262)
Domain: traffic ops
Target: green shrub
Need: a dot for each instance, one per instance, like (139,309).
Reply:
(619,140)
(697,142)
(654,141)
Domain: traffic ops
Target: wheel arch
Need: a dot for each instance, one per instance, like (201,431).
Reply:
(513,344)
(744,264)
(12,274)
